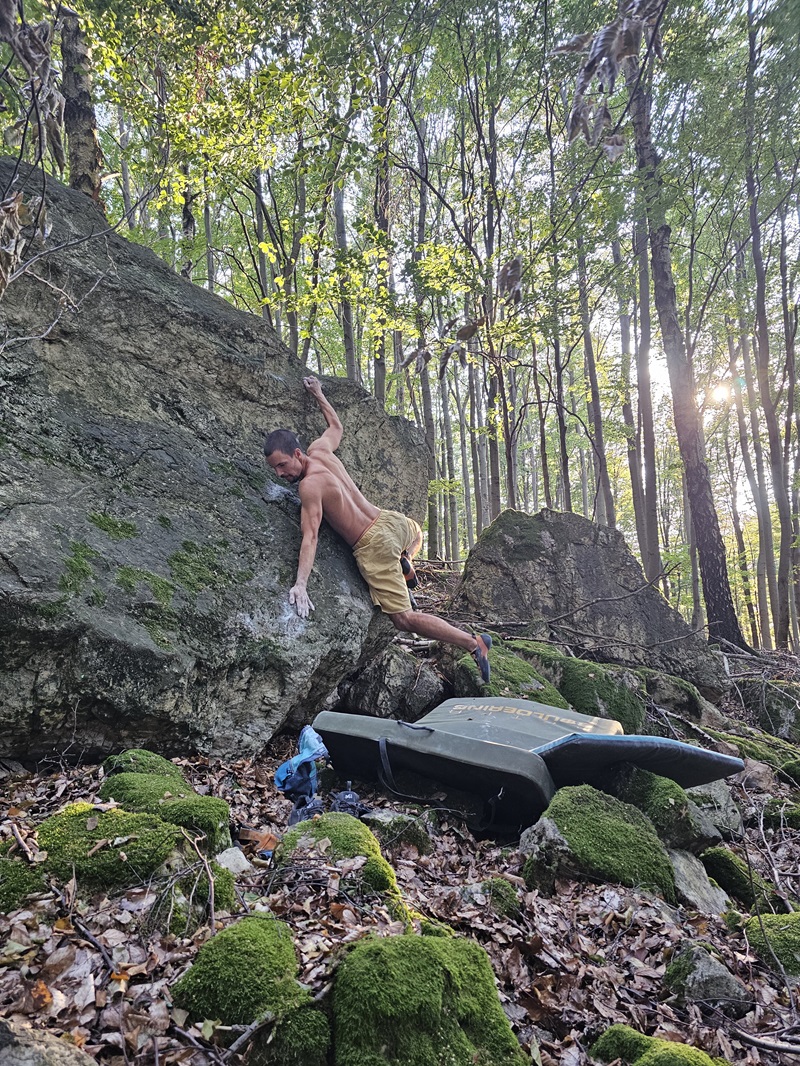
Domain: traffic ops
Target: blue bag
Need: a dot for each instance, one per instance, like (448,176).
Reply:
(298,775)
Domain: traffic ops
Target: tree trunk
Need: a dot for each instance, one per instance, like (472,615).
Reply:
(80,121)
(722,620)
(652,559)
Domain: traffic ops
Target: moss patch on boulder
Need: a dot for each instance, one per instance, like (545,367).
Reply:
(760,746)
(174,801)
(778,814)
(348,838)
(245,972)
(663,801)
(184,906)
(513,674)
(301,1039)
(18,880)
(125,847)
(776,937)
(141,761)
(608,840)
(742,883)
(421,1000)
(502,897)
(589,688)
(623,1043)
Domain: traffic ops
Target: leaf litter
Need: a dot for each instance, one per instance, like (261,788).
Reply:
(98,973)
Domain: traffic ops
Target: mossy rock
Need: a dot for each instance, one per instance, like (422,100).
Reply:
(735,877)
(598,837)
(673,692)
(778,814)
(421,1000)
(663,801)
(502,897)
(635,1049)
(792,770)
(401,829)
(303,1038)
(244,973)
(141,761)
(760,746)
(777,704)
(17,881)
(131,846)
(776,937)
(174,801)
(591,689)
(348,838)
(512,675)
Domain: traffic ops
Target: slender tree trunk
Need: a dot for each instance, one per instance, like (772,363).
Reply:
(434,549)
(80,121)
(124,169)
(542,420)
(741,550)
(348,337)
(723,622)
(652,558)
(469,520)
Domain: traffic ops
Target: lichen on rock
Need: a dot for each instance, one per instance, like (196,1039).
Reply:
(426,1000)
(244,973)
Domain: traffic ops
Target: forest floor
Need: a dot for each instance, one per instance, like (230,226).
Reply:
(566,967)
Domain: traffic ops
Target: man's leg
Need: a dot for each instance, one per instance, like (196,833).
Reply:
(429,625)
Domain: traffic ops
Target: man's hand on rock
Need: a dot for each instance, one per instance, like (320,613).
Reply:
(313,386)
(298,597)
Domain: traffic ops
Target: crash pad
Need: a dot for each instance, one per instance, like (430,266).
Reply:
(512,753)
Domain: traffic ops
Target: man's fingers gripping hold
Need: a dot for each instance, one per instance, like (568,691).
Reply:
(298,597)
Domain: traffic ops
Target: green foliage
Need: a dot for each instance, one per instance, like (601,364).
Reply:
(126,848)
(17,881)
(412,999)
(116,528)
(246,972)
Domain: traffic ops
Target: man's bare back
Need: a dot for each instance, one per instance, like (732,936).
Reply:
(344,506)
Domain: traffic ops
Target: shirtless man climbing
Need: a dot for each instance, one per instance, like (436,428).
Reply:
(378,538)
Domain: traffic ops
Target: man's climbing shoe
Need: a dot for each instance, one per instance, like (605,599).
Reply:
(409,573)
(481,655)
(348,802)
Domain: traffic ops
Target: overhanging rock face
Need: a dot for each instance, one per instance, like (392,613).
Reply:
(567,579)
(145,553)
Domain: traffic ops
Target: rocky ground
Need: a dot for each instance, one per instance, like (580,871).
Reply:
(95,971)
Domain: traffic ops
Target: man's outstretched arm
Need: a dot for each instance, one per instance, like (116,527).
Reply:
(333,434)
(310,521)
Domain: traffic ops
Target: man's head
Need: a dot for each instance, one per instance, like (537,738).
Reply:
(284,454)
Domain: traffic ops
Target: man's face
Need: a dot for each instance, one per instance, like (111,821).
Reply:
(287,467)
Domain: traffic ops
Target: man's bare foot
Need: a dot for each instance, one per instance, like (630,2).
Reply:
(481,655)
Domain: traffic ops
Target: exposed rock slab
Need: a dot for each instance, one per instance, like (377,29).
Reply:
(145,556)
(394,685)
(561,575)
(692,885)
(21,1045)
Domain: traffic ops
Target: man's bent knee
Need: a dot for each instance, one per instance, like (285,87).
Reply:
(403,620)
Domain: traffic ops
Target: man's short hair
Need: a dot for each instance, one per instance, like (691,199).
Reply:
(281,440)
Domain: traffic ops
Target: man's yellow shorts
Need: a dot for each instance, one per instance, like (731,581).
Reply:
(377,554)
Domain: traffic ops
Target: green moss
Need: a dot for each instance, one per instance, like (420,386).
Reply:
(610,840)
(513,675)
(623,1043)
(243,973)
(77,568)
(403,830)
(198,567)
(776,936)
(116,528)
(301,1039)
(779,815)
(129,847)
(164,521)
(53,609)
(420,1001)
(130,577)
(174,801)
(792,770)
(18,880)
(752,745)
(587,687)
(348,838)
(142,761)
(735,877)
(502,897)
(663,801)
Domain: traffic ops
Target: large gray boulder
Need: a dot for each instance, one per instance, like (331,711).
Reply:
(565,578)
(145,553)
